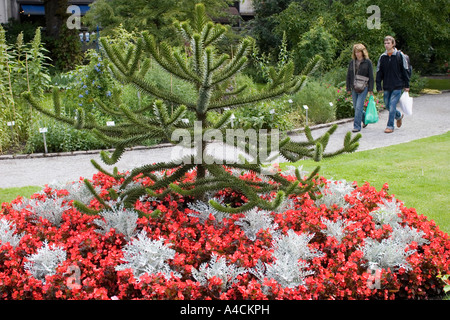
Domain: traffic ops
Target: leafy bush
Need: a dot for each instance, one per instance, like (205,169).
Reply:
(417,83)
(317,96)
(318,40)
(344,105)
(313,249)
(61,137)
(266,115)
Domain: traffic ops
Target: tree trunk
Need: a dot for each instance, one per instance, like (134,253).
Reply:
(55,16)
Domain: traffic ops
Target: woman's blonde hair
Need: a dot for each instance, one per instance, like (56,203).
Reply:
(362,48)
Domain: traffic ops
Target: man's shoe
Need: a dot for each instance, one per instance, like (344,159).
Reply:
(399,121)
(356,130)
(388,130)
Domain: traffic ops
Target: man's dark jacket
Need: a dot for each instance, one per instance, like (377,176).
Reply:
(392,71)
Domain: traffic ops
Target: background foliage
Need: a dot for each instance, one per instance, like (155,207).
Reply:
(285,30)
(420,27)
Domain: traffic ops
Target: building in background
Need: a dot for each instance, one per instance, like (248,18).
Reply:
(33,10)
(8,9)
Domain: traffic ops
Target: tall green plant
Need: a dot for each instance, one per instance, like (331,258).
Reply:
(210,74)
(7,106)
(37,65)
(23,67)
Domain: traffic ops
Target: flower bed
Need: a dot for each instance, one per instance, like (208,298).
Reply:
(353,243)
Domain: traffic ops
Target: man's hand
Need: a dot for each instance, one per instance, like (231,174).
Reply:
(407,89)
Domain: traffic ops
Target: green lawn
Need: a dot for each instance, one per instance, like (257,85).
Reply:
(9,194)
(438,84)
(417,173)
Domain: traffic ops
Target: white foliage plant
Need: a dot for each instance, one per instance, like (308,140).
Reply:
(144,255)
(45,261)
(289,267)
(256,220)
(393,251)
(8,233)
(120,219)
(217,267)
(334,192)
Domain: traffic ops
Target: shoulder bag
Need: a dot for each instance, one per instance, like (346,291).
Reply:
(359,82)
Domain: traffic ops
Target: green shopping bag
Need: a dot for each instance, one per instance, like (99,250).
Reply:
(371,112)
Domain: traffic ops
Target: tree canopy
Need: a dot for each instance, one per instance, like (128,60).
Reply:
(157,17)
(420,27)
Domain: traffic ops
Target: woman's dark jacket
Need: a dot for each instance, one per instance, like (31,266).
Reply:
(365,69)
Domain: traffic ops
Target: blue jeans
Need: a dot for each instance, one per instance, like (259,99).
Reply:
(358,105)
(391,99)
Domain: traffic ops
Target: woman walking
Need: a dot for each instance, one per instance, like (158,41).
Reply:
(359,82)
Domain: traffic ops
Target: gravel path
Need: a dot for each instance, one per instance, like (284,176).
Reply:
(431,116)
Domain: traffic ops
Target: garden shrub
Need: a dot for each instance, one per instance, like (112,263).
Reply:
(417,83)
(353,243)
(317,96)
(318,40)
(266,115)
(61,137)
(344,105)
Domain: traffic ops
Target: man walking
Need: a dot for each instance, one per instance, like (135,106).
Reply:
(392,71)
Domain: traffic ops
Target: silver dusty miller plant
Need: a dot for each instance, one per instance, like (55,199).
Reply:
(144,255)
(392,252)
(334,194)
(45,261)
(256,220)
(387,213)
(407,234)
(217,267)
(202,210)
(121,219)
(289,267)
(8,233)
(78,191)
(335,228)
(51,208)
(389,253)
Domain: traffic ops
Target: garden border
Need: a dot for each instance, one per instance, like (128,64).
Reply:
(162,145)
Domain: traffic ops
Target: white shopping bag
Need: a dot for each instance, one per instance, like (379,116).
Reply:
(406,103)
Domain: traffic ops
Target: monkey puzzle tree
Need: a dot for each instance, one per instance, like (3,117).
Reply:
(210,74)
